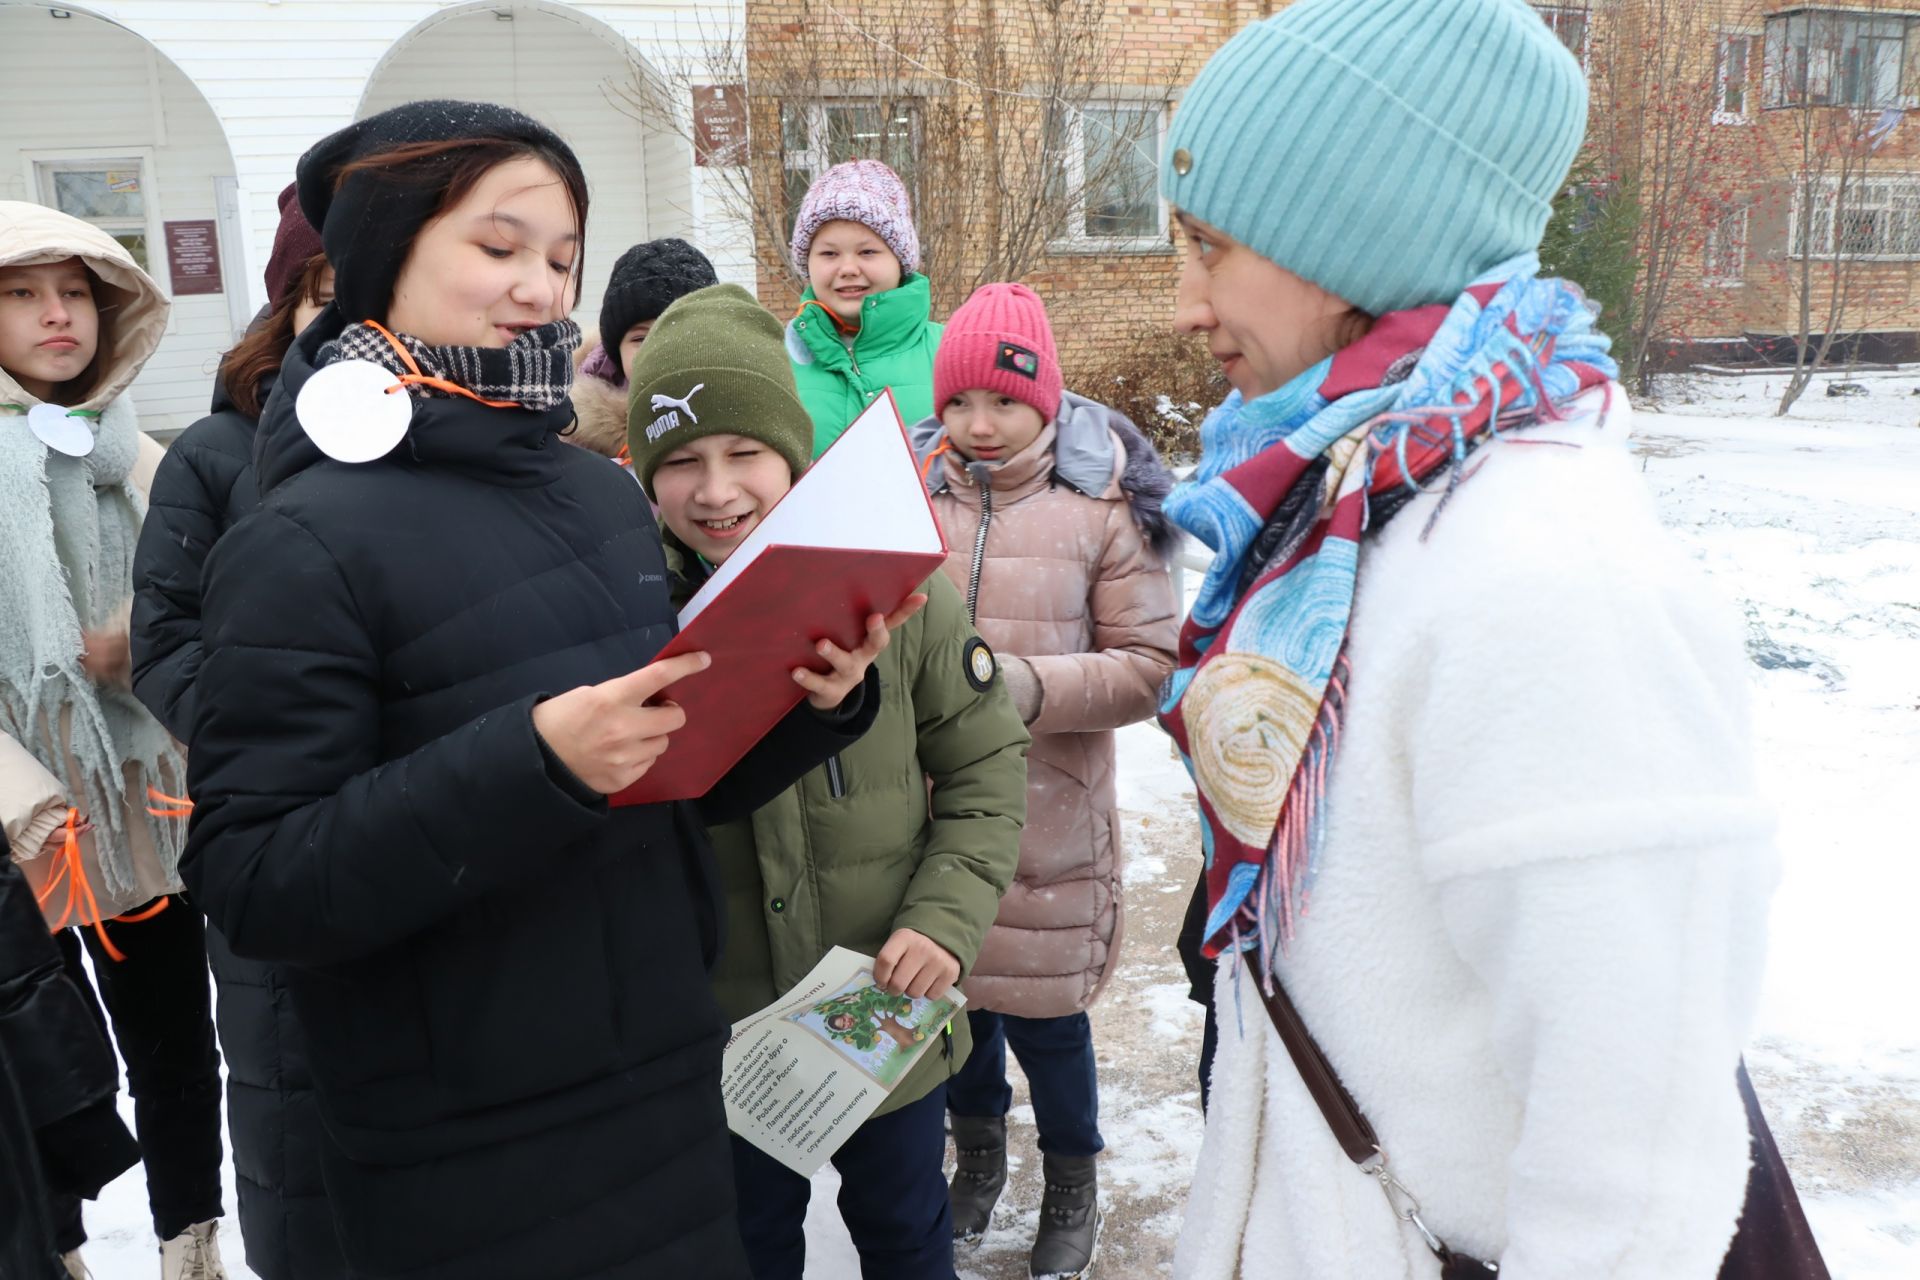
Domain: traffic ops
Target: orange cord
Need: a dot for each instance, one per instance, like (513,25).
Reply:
(927,467)
(417,378)
(135,917)
(176,806)
(72,872)
(827,311)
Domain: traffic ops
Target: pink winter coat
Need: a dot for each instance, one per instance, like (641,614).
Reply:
(1071,576)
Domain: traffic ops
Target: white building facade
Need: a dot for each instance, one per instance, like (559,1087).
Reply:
(174,125)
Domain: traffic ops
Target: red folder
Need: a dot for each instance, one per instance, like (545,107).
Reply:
(855,536)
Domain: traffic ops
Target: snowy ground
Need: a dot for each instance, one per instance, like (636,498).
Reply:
(1809,525)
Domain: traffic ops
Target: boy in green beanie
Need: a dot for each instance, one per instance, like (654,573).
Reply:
(900,847)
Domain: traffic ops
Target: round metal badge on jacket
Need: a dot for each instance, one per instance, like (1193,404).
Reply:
(979,663)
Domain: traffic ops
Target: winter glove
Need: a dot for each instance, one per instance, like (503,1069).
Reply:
(1023,687)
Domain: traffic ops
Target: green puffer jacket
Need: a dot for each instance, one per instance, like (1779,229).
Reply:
(894,349)
(861,847)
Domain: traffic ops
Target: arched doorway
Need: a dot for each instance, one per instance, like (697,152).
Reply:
(561,67)
(97,122)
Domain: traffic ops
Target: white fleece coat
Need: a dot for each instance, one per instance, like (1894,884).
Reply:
(1535,944)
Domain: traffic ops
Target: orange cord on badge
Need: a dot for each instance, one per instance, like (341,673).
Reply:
(419,379)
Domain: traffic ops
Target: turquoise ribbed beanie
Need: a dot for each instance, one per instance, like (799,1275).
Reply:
(1389,151)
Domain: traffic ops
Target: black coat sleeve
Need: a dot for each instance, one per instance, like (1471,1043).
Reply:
(50,1043)
(305,847)
(793,748)
(186,513)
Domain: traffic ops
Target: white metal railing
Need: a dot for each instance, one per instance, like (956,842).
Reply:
(1187,555)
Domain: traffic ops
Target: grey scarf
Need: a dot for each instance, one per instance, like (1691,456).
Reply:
(68,527)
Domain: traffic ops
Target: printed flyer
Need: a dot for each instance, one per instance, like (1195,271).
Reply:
(806,1071)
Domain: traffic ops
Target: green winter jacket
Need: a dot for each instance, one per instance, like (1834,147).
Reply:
(864,845)
(894,349)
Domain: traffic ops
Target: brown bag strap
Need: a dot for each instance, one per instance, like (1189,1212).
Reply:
(1350,1126)
(1343,1115)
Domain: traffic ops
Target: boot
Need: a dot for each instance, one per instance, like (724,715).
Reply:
(76,1266)
(194,1254)
(980,1171)
(1069,1234)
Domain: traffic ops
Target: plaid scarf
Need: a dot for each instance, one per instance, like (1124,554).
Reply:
(534,371)
(1285,488)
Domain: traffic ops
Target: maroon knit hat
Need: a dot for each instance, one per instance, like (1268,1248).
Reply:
(294,242)
(1000,340)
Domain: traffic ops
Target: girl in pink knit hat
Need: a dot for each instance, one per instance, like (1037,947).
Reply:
(1051,504)
(865,321)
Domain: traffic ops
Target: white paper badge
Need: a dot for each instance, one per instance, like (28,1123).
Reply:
(346,410)
(60,432)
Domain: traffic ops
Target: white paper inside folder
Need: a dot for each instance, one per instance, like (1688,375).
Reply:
(863,493)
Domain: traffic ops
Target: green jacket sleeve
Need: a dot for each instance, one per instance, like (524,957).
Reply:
(974,750)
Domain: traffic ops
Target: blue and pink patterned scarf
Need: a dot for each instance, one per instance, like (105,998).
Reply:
(1286,486)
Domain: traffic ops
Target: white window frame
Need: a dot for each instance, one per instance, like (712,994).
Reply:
(1894,195)
(1825,67)
(814,159)
(1756,44)
(1074,238)
(40,166)
(1551,14)
(1739,217)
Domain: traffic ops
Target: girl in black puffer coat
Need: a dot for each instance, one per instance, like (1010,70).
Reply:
(203,486)
(423,675)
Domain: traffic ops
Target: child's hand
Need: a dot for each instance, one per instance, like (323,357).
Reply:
(106,655)
(57,842)
(825,692)
(912,964)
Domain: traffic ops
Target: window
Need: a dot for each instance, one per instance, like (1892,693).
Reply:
(109,193)
(1570,23)
(1868,218)
(1110,178)
(1840,58)
(1733,93)
(815,136)
(1726,255)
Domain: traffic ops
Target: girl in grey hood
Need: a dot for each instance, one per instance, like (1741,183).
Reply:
(91,786)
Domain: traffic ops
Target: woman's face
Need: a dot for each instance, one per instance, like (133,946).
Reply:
(49,325)
(500,262)
(1265,325)
(847,264)
(308,308)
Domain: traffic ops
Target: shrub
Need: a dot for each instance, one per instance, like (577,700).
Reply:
(1164,382)
(1591,240)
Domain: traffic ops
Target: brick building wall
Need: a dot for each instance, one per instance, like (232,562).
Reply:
(1752,154)
(1098,295)
(1103,297)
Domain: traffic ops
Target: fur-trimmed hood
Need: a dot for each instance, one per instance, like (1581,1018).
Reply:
(599,407)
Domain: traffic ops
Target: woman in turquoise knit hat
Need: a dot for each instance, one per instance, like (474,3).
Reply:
(1467,729)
